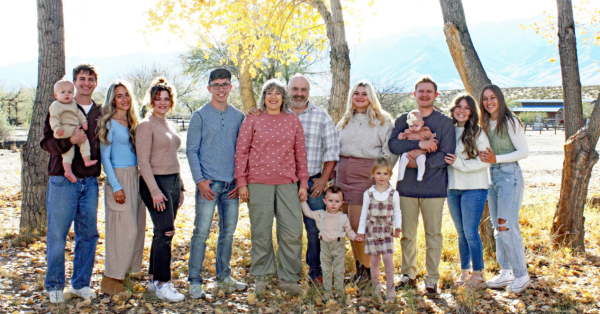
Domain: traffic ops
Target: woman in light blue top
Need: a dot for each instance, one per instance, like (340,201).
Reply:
(124,210)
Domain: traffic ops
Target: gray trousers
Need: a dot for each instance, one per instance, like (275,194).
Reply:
(281,202)
(333,254)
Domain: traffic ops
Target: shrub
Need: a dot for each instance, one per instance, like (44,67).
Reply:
(5,128)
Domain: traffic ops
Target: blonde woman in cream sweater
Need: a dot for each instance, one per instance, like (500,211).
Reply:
(364,131)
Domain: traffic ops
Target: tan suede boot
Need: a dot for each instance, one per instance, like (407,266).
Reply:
(111,286)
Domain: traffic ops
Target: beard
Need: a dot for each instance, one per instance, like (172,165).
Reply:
(299,101)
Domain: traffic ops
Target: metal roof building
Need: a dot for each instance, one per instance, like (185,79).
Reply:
(549,106)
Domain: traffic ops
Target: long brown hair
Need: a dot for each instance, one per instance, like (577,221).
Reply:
(158,85)
(472,128)
(109,109)
(504,114)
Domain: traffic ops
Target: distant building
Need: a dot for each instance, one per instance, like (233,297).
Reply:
(550,106)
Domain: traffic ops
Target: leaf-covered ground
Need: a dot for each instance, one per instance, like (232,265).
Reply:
(564,282)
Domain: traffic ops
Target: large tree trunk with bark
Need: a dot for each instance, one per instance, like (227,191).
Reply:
(580,148)
(569,66)
(339,56)
(51,68)
(474,78)
(461,48)
(246,91)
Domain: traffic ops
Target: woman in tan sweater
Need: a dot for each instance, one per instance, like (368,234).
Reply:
(364,132)
(161,187)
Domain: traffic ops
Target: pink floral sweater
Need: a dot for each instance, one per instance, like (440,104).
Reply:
(270,150)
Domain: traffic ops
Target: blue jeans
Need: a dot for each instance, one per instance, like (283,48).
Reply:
(66,203)
(313,249)
(227,209)
(505,196)
(466,209)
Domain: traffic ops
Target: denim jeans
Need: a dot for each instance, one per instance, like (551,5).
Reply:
(466,209)
(505,196)
(227,210)
(66,203)
(163,221)
(313,249)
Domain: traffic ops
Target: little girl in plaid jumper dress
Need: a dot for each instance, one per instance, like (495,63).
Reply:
(381,211)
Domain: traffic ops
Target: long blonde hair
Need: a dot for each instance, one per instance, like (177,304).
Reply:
(374,110)
(109,109)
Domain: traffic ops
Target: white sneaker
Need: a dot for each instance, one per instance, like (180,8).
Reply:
(504,279)
(229,284)
(152,285)
(166,291)
(519,284)
(56,296)
(197,291)
(84,292)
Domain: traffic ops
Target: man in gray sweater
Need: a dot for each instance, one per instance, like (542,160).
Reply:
(211,141)
(426,196)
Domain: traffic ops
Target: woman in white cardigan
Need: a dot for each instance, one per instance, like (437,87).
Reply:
(468,188)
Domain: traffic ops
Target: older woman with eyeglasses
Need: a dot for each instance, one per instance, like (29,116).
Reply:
(270,160)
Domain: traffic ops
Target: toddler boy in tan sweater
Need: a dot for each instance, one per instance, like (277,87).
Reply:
(333,227)
(65,117)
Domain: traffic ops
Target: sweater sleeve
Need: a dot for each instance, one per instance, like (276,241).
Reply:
(446,144)
(517,136)
(105,150)
(362,225)
(397,146)
(55,111)
(315,215)
(54,146)
(348,228)
(397,213)
(474,164)
(143,140)
(300,155)
(242,152)
(194,140)
(383,137)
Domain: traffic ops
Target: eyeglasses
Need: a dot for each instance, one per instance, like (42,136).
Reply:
(219,86)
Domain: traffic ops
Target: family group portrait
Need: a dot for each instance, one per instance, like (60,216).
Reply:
(300,156)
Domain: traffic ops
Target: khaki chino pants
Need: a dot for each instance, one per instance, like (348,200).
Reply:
(281,202)
(333,256)
(432,210)
(125,226)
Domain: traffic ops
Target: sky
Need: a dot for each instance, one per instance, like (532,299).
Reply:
(107,28)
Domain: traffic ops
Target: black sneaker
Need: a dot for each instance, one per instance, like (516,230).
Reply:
(431,289)
(406,282)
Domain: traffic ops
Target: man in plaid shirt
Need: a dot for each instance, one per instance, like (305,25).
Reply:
(323,151)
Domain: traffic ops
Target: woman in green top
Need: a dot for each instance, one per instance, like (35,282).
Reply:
(505,194)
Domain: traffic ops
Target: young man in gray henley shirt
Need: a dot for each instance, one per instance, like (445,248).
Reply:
(425,196)
(211,140)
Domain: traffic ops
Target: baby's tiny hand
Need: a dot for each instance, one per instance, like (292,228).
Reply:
(360,238)
(397,233)
(60,132)
(84,126)
(401,136)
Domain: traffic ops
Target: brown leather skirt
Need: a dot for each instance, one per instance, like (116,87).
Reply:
(354,178)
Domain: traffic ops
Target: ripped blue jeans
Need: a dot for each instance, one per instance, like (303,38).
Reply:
(505,196)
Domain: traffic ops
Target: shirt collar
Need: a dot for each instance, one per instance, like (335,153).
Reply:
(309,107)
(372,189)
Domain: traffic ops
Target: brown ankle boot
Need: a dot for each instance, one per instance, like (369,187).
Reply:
(111,286)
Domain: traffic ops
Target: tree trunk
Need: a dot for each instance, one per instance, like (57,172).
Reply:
(461,48)
(248,100)
(339,56)
(486,230)
(474,78)
(51,68)
(569,67)
(580,158)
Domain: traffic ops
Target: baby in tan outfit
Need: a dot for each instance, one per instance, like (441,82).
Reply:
(333,227)
(65,117)
(416,131)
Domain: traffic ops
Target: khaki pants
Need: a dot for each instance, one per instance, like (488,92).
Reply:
(280,202)
(431,209)
(333,255)
(125,226)
(84,148)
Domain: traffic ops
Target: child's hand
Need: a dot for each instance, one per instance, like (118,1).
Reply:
(84,126)
(60,132)
(360,238)
(402,136)
(397,232)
